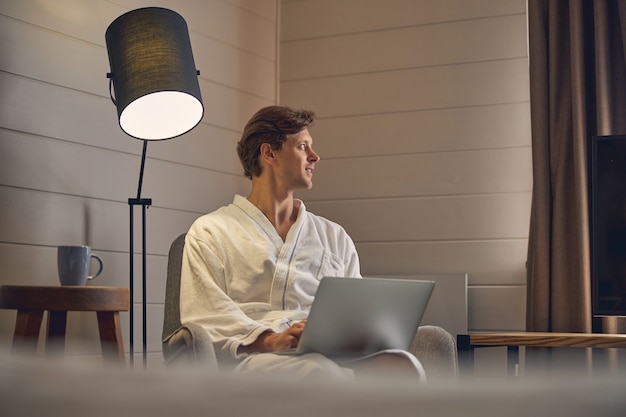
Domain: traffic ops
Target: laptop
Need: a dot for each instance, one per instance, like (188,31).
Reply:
(356,317)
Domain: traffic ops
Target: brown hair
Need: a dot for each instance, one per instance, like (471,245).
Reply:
(270,125)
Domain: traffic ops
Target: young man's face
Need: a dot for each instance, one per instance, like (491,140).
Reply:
(296,161)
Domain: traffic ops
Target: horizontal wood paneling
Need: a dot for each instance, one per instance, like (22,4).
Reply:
(216,19)
(83,118)
(429,174)
(320,18)
(30,265)
(463,85)
(35,52)
(169,184)
(253,74)
(72,18)
(424,136)
(481,127)
(52,111)
(224,21)
(405,47)
(263,8)
(496,216)
(48,219)
(228,108)
(485,261)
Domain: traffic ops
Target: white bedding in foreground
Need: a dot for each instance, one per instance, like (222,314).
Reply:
(65,390)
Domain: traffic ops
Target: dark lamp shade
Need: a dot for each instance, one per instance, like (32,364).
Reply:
(153,74)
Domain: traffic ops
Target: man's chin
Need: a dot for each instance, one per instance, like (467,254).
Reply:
(305,187)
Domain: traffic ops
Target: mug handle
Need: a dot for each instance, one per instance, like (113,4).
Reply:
(99,259)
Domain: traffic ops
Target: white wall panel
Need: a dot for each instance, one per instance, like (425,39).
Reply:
(35,52)
(264,8)
(225,22)
(67,165)
(51,219)
(169,184)
(92,120)
(204,147)
(48,110)
(216,19)
(31,217)
(74,18)
(405,47)
(235,68)
(316,18)
(463,85)
(228,108)
(190,188)
(426,174)
(493,216)
(485,261)
(424,136)
(479,127)
(29,265)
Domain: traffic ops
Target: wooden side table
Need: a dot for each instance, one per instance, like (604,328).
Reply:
(31,302)
(513,340)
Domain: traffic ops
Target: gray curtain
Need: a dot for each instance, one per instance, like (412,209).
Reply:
(577,90)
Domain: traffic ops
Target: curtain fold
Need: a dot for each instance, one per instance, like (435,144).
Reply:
(577,91)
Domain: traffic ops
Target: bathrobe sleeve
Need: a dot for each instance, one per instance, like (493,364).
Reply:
(203,299)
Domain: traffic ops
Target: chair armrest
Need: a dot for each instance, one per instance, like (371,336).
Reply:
(190,344)
(436,350)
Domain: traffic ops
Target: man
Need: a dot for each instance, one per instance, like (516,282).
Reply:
(250,269)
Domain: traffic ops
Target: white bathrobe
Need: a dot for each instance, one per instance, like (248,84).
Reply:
(240,279)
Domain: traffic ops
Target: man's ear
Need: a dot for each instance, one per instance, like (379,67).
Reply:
(267,153)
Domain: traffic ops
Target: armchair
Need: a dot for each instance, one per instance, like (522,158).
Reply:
(432,345)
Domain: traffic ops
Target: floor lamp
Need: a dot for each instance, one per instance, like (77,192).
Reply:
(154,85)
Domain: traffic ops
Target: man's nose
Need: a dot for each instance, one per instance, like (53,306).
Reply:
(313,156)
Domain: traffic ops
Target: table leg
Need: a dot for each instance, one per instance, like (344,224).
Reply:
(57,323)
(465,353)
(512,358)
(26,333)
(111,337)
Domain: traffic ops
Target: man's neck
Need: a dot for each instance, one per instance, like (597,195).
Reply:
(279,209)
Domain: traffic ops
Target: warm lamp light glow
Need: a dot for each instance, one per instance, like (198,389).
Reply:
(161,115)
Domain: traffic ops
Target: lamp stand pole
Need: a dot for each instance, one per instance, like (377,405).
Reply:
(144,203)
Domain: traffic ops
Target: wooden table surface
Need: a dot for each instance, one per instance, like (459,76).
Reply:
(466,343)
(72,298)
(549,339)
